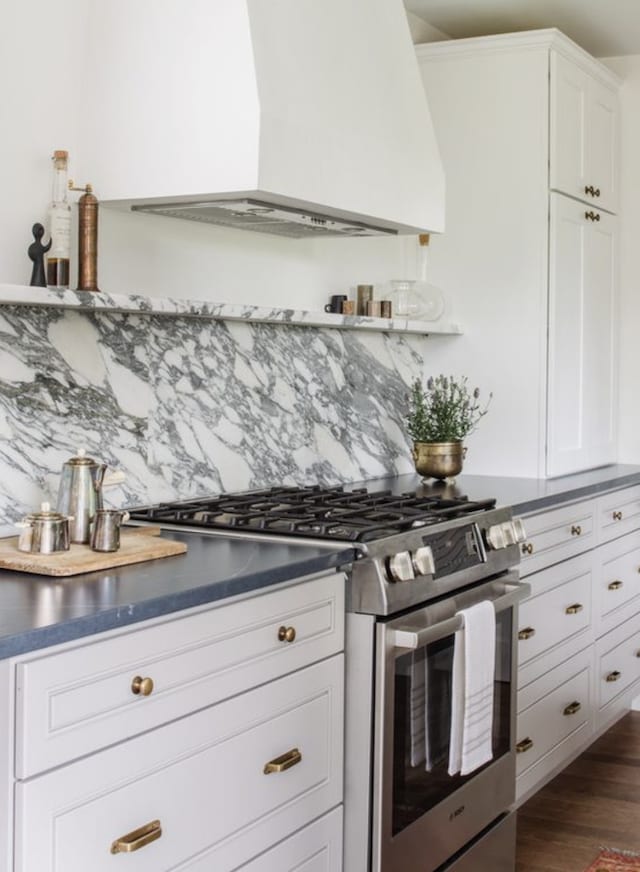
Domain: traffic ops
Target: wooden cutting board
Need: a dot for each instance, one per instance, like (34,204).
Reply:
(136,546)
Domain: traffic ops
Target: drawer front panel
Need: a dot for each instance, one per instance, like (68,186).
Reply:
(316,848)
(555,716)
(80,700)
(556,615)
(557,535)
(617,590)
(618,661)
(202,778)
(619,513)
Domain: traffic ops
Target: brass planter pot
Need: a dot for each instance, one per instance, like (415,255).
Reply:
(438,459)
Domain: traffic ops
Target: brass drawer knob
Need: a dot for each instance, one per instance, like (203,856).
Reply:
(589,189)
(524,745)
(287,634)
(527,548)
(572,708)
(576,529)
(574,609)
(137,839)
(526,633)
(613,676)
(592,216)
(286,761)
(617,516)
(614,585)
(142,686)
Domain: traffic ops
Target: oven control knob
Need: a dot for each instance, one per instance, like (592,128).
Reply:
(509,533)
(423,561)
(521,533)
(401,567)
(495,537)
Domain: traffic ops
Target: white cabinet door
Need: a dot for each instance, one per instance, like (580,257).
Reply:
(583,128)
(582,347)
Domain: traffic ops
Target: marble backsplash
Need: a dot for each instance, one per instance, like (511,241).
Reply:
(190,406)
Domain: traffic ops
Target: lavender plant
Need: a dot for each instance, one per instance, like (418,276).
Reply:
(444,410)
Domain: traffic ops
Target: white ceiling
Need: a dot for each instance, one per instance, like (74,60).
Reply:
(604,28)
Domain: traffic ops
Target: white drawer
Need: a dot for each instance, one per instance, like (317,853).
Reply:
(617,661)
(619,513)
(558,610)
(617,586)
(80,700)
(556,535)
(316,848)
(202,778)
(552,709)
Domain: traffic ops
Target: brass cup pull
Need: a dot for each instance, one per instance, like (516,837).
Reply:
(527,548)
(614,585)
(592,216)
(617,516)
(286,761)
(614,676)
(576,529)
(574,609)
(287,634)
(526,633)
(137,839)
(572,708)
(524,745)
(142,686)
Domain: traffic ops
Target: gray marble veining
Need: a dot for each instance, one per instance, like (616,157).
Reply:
(187,406)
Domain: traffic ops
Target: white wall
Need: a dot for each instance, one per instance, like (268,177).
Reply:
(629,409)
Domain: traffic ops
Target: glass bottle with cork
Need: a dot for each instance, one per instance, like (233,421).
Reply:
(59,220)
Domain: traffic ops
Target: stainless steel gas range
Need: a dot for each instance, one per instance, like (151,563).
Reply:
(421,559)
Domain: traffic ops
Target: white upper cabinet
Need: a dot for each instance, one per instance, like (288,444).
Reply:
(584,134)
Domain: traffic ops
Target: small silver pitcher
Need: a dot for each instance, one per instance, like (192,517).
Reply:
(105,529)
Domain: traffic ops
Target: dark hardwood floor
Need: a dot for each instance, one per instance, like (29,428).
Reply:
(595,801)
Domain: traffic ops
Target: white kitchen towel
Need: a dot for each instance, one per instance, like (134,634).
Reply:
(474,658)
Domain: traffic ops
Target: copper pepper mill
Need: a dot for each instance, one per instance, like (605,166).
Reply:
(87,238)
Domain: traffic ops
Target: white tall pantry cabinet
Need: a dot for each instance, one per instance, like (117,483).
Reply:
(527,127)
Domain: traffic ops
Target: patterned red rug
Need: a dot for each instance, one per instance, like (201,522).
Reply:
(609,860)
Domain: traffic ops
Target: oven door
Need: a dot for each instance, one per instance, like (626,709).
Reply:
(422,816)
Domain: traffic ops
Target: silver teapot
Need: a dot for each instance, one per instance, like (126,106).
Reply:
(80,492)
(44,532)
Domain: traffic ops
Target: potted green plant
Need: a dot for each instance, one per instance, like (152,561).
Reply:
(442,413)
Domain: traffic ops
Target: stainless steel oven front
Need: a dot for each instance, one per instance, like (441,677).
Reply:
(421,818)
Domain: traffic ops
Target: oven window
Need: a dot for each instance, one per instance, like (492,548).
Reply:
(422,723)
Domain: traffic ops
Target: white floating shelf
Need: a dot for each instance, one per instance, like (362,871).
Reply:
(24,295)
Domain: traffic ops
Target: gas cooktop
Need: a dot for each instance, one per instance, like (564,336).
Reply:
(331,513)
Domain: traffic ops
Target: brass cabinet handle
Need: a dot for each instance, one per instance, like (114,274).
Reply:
(589,189)
(286,761)
(287,634)
(526,633)
(527,548)
(592,216)
(572,708)
(576,529)
(613,676)
(615,585)
(524,745)
(617,516)
(137,839)
(142,686)
(574,609)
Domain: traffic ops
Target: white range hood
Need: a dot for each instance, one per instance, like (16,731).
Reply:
(299,117)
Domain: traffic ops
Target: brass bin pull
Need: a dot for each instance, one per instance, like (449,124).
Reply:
(572,708)
(527,548)
(615,585)
(524,745)
(617,516)
(576,529)
(286,761)
(287,634)
(137,839)
(613,676)
(526,633)
(574,609)
(142,686)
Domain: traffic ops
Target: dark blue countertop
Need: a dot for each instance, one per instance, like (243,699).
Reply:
(37,611)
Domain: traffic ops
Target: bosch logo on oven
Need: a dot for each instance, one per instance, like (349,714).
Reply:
(456,812)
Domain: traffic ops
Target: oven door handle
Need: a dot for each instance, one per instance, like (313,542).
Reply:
(412,639)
